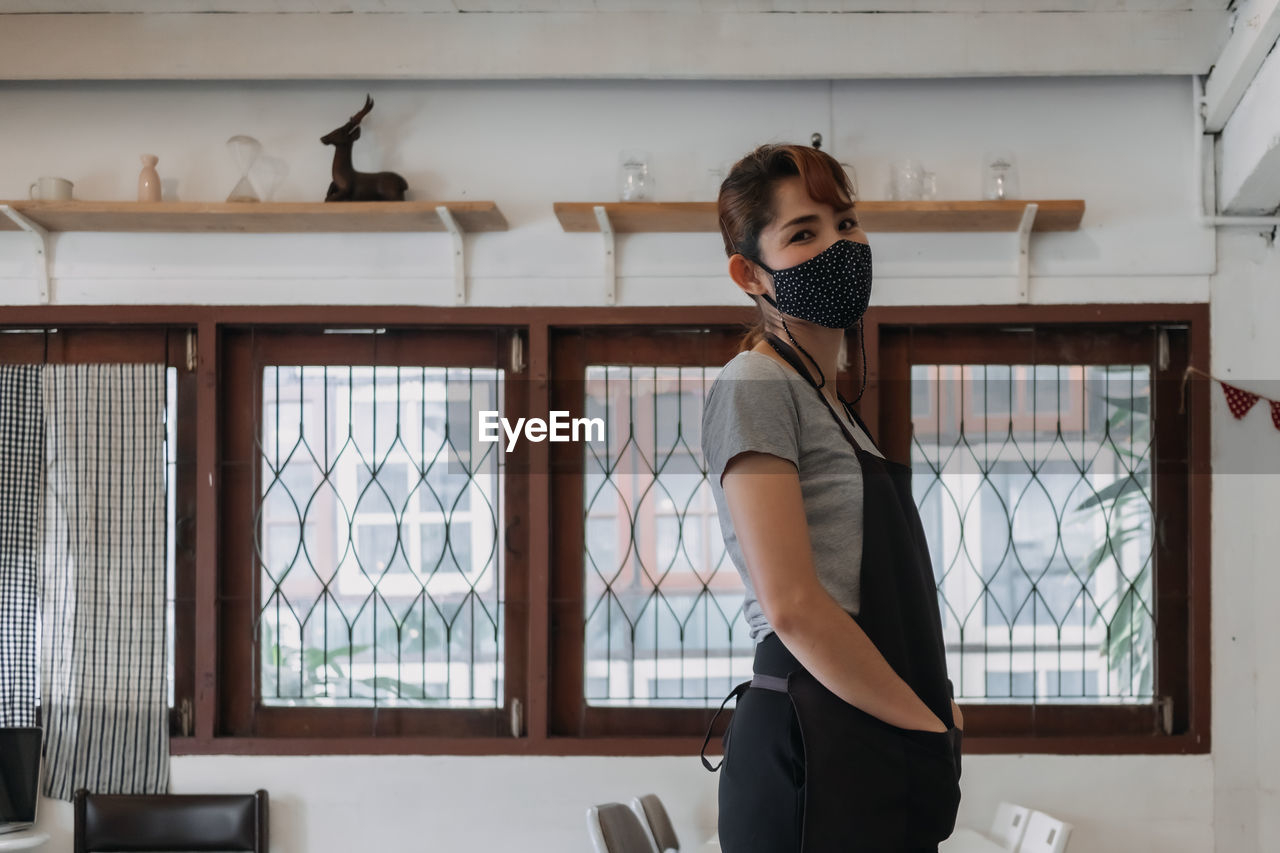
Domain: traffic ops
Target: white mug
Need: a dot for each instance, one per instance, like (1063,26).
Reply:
(51,189)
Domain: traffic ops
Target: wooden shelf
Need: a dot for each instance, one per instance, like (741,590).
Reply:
(630,217)
(255,218)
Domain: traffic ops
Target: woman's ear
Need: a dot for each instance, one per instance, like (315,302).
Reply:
(747,275)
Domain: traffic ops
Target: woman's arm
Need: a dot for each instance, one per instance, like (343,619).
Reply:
(764,499)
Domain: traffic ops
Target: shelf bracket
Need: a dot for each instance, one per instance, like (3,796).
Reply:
(610,265)
(459,260)
(1024,251)
(40,239)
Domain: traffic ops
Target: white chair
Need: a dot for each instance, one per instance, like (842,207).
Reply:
(1007,829)
(965,840)
(653,814)
(614,828)
(1045,834)
(1010,824)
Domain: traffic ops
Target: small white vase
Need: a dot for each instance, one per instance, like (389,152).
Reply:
(149,179)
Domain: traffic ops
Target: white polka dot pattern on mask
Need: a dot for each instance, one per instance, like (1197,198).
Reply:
(832,289)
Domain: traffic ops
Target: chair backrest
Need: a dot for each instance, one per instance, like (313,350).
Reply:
(1045,834)
(170,822)
(650,809)
(614,828)
(1010,824)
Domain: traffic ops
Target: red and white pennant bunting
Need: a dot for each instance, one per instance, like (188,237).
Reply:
(1240,401)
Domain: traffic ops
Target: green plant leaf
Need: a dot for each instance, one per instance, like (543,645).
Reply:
(1134,484)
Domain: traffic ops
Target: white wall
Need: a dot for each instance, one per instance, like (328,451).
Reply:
(428,804)
(1246,541)
(1122,144)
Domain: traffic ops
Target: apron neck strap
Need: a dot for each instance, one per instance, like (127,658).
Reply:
(793,359)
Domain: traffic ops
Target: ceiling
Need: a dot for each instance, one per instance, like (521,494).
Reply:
(612,39)
(461,6)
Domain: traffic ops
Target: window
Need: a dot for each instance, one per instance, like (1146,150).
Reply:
(357,478)
(1041,503)
(1030,535)
(369,569)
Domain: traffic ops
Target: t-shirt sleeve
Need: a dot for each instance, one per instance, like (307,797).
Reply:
(745,412)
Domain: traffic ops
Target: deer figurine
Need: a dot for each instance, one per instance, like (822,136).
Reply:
(350,185)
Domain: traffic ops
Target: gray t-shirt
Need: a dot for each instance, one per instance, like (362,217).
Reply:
(758,404)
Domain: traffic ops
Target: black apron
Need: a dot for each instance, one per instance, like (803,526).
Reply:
(822,775)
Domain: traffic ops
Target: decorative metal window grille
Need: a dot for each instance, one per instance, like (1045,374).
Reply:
(663,618)
(1034,487)
(377,538)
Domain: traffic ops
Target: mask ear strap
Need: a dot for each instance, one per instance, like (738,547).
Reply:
(813,360)
(862,340)
(772,302)
(781,349)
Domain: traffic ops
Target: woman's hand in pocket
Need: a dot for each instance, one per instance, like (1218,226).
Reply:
(956,715)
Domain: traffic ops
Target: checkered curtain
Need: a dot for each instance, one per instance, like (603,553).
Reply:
(102,599)
(21,471)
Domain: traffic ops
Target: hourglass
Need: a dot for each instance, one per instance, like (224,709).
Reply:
(244,151)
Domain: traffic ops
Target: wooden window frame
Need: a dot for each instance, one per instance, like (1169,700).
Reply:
(1180,494)
(549,725)
(246,352)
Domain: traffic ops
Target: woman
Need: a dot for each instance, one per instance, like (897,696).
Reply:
(847,738)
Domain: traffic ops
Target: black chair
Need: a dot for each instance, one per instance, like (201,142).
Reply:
(170,822)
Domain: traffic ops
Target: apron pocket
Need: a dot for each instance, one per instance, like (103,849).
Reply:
(856,791)
(939,741)
(933,796)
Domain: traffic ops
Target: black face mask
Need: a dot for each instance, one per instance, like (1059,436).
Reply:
(831,289)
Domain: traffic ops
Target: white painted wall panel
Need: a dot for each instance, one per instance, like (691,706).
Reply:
(1246,675)
(1249,147)
(1122,144)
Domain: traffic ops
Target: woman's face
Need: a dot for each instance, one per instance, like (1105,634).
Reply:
(803,227)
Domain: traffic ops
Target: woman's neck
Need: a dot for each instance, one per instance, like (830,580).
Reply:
(821,344)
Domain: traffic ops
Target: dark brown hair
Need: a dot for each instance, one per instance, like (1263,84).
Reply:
(746,203)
